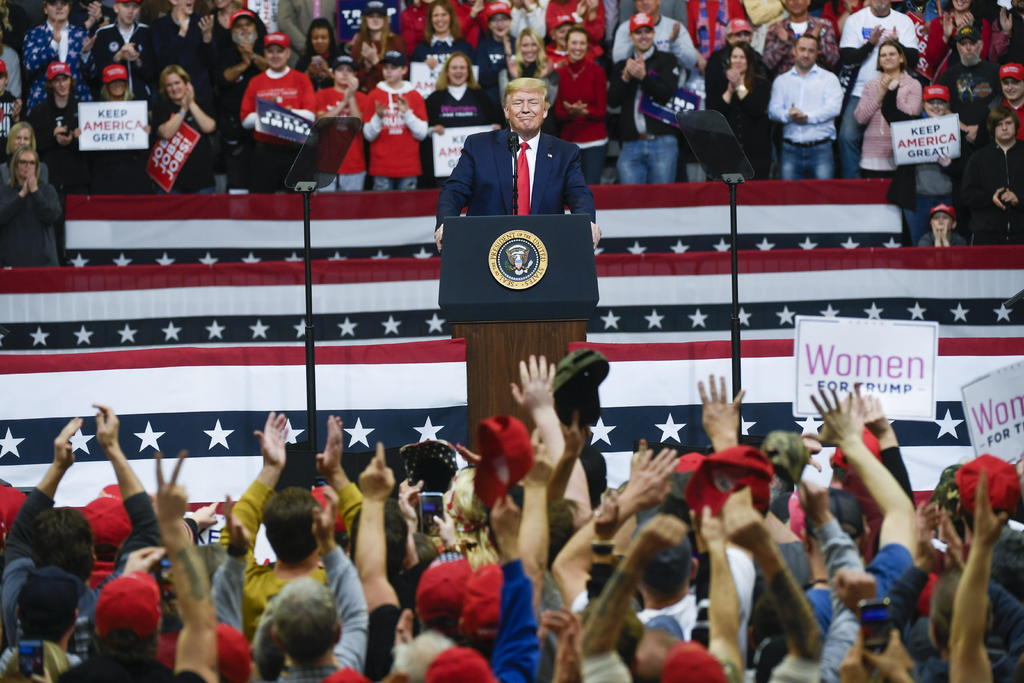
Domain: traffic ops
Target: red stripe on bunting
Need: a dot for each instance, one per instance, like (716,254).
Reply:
(356,205)
(439,351)
(112,278)
(775,348)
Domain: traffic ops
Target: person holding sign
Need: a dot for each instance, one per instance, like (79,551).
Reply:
(29,208)
(993,183)
(650,147)
(55,121)
(893,83)
(395,128)
(120,171)
(291,89)
(549,175)
(345,99)
(178,109)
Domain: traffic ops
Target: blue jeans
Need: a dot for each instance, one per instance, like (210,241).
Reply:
(919,220)
(648,161)
(347,182)
(382,183)
(592,162)
(802,163)
(851,135)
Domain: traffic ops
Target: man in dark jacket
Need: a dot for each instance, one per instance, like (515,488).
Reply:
(136,52)
(650,147)
(973,85)
(993,183)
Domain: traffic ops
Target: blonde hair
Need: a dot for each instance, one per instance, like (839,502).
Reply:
(55,662)
(536,85)
(106,96)
(454,28)
(542,54)
(14,133)
(470,517)
(442,80)
(18,153)
(177,71)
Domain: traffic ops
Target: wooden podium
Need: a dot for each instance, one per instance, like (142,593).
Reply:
(506,313)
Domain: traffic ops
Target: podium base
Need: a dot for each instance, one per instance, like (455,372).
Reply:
(493,352)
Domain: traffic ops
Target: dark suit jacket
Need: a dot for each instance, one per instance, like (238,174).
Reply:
(482,180)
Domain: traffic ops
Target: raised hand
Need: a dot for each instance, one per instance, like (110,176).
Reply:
(144,559)
(843,419)
(323,522)
(650,483)
(536,377)
(238,535)
(408,501)
(63,456)
(206,27)
(328,463)
(720,417)
(272,440)
(744,525)
(107,425)
(663,531)
(987,524)
(606,517)
(377,480)
(171,501)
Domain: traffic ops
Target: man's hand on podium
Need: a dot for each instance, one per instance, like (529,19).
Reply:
(595,232)
(438,233)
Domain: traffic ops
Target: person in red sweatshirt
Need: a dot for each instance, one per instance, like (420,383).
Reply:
(345,99)
(582,103)
(398,123)
(272,156)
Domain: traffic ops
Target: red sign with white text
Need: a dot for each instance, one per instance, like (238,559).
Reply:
(169,156)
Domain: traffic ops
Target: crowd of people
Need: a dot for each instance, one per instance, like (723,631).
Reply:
(810,88)
(723,565)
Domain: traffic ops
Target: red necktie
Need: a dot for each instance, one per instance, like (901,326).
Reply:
(523,181)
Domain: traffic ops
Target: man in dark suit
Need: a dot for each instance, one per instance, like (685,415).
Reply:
(549,173)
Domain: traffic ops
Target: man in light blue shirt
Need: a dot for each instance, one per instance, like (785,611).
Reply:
(806,99)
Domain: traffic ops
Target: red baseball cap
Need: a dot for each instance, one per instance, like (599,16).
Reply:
(944,208)
(936,92)
(726,471)
(690,661)
(131,602)
(109,521)
(346,675)
(1011,70)
(114,72)
(1003,484)
(481,608)
(460,664)
(689,462)
(560,20)
(441,591)
(239,13)
(234,661)
(496,8)
(3,67)
(739,26)
(506,456)
(57,69)
(279,39)
(838,458)
(639,20)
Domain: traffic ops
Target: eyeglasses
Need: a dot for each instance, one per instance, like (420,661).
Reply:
(27,162)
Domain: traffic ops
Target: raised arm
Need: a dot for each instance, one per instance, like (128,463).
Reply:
(601,632)
(376,481)
(724,640)
(197,642)
(249,509)
(844,425)
(720,416)
(328,464)
(968,658)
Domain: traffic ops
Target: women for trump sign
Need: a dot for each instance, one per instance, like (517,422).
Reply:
(994,407)
(891,359)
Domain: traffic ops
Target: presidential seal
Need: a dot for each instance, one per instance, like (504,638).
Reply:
(518,259)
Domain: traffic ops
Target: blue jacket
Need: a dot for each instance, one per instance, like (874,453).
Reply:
(482,180)
(516,653)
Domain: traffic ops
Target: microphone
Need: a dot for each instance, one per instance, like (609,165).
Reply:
(513,141)
(513,148)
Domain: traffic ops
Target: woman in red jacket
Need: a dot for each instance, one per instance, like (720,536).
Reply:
(941,52)
(581,104)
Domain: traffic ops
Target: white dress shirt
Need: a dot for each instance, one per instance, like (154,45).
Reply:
(817,94)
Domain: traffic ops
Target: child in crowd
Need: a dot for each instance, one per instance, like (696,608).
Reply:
(345,99)
(394,130)
(943,229)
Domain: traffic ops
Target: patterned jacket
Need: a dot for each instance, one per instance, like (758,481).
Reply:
(778,54)
(39,52)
